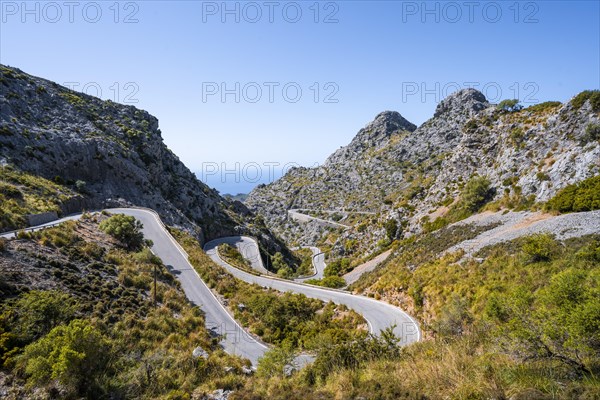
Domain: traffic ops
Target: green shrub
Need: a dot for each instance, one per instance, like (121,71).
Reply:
(592,134)
(234,257)
(438,223)
(516,137)
(539,247)
(125,229)
(592,95)
(559,323)
(476,193)
(275,362)
(391,228)
(337,267)
(543,107)
(542,176)
(81,186)
(37,312)
(75,355)
(278,262)
(454,318)
(10,191)
(356,353)
(581,196)
(509,105)
(471,126)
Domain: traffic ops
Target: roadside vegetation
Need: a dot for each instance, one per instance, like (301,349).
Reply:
(305,256)
(522,324)
(475,194)
(22,194)
(332,274)
(231,255)
(88,327)
(581,196)
(287,320)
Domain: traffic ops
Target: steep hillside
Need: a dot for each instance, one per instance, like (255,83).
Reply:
(415,176)
(78,320)
(104,154)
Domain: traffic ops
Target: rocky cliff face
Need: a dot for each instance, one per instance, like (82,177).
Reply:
(399,172)
(112,153)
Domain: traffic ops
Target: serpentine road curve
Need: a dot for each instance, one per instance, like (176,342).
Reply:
(379,315)
(236,340)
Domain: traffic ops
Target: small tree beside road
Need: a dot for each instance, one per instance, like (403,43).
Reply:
(125,229)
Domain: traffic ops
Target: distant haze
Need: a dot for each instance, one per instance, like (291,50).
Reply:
(238,180)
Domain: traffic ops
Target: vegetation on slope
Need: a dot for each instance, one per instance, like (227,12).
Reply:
(305,256)
(474,195)
(22,194)
(77,320)
(581,196)
(521,324)
(291,321)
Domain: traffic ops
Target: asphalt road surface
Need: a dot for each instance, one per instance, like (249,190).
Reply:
(236,340)
(318,262)
(218,320)
(379,315)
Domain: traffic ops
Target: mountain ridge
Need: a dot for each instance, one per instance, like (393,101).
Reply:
(111,155)
(413,176)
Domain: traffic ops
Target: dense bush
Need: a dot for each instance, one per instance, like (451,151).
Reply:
(306,265)
(233,257)
(581,196)
(539,247)
(560,322)
(125,229)
(476,193)
(37,312)
(592,95)
(74,355)
(509,105)
(332,281)
(337,267)
(354,354)
(391,228)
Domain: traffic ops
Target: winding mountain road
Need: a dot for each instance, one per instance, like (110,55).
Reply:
(379,315)
(318,263)
(219,321)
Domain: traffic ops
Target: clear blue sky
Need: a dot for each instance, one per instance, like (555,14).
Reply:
(370,56)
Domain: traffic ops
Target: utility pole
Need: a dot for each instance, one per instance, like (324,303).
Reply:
(154,285)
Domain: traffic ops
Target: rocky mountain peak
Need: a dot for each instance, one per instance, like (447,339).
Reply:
(465,101)
(375,134)
(390,121)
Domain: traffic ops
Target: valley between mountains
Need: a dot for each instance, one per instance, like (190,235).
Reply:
(455,259)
